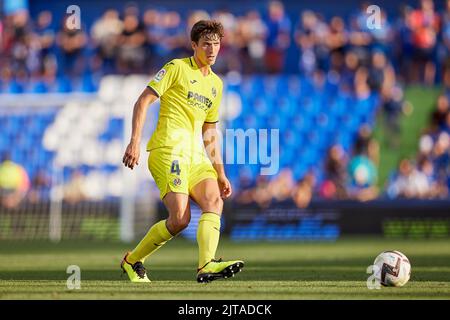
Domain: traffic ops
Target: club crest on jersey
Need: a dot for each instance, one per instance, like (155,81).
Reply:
(160,75)
(214,92)
(176,182)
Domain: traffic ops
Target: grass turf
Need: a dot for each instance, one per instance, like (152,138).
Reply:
(274,270)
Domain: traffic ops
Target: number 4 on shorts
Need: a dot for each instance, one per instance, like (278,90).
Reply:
(175,167)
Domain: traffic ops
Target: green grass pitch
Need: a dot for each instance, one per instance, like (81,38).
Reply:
(274,270)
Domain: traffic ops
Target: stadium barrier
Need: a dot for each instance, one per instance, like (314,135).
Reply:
(322,221)
(328,220)
(85,220)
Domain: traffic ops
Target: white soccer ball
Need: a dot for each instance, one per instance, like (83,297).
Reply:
(393,268)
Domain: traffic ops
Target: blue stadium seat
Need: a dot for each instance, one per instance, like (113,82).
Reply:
(88,84)
(250,122)
(63,85)
(287,156)
(262,106)
(39,87)
(14,87)
(277,121)
(282,85)
(285,105)
(301,123)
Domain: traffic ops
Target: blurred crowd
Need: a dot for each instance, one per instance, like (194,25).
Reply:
(353,175)
(416,41)
(411,47)
(428,175)
(346,176)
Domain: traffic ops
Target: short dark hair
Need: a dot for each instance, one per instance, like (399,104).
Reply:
(206,28)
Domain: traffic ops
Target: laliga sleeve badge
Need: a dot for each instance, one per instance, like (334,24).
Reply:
(161,73)
(214,92)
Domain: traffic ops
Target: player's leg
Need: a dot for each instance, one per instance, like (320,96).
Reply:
(179,216)
(175,197)
(177,205)
(206,194)
(179,212)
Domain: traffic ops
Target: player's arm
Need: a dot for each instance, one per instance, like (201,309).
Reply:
(213,150)
(131,156)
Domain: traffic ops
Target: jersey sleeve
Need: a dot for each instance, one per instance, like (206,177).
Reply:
(213,113)
(165,78)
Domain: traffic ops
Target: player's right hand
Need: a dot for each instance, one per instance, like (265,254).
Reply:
(131,156)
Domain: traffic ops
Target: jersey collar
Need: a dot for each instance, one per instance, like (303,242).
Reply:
(195,66)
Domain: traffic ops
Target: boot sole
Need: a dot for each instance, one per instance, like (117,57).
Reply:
(228,272)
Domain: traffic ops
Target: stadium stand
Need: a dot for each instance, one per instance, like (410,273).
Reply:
(337,75)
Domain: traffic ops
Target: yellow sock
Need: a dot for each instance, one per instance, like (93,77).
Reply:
(208,234)
(156,237)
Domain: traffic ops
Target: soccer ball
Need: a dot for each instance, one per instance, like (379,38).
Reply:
(392,268)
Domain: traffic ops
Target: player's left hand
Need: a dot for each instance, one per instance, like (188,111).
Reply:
(224,186)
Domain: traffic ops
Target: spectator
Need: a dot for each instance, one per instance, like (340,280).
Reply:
(17,42)
(304,191)
(392,107)
(366,145)
(441,154)
(40,187)
(245,194)
(105,34)
(363,176)
(282,185)
(154,33)
(382,38)
(311,38)
(74,190)
(402,44)
(14,183)
(381,74)
(408,182)
(174,37)
(424,23)
(447,124)
(436,188)
(335,174)
(46,35)
(337,37)
(131,55)
(360,40)
(165,36)
(439,115)
(251,35)
(445,52)
(72,43)
(278,38)
(351,65)
(229,47)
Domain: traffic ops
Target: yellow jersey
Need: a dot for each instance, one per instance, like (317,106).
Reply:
(188,99)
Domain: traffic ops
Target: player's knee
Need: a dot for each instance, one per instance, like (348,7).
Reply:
(213,203)
(178,223)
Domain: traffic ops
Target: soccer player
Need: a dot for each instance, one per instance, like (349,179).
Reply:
(182,166)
